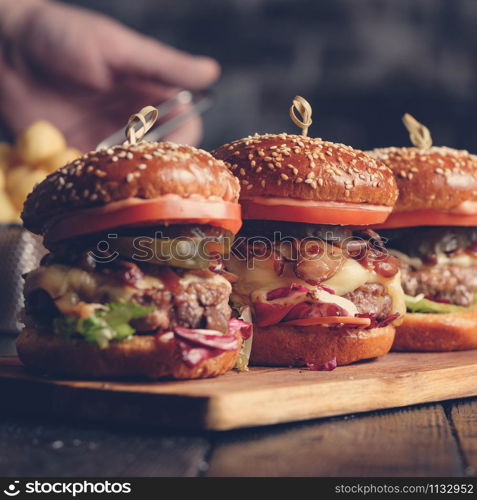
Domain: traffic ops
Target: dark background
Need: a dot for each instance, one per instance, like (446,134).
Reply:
(361,63)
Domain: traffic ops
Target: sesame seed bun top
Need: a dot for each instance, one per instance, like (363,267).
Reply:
(305,168)
(437,178)
(146,170)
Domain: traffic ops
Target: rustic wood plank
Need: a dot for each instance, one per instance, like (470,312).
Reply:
(261,396)
(463,415)
(413,441)
(60,450)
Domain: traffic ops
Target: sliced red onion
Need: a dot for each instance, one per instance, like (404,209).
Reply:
(207,338)
(314,310)
(378,323)
(286,291)
(267,314)
(192,356)
(326,367)
(238,325)
(436,299)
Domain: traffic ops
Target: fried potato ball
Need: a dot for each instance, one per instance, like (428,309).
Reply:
(21,181)
(39,141)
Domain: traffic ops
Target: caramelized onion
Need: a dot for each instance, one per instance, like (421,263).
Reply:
(381,263)
(318,261)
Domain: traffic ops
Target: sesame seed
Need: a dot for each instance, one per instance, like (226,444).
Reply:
(142,166)
(129,177)
(242,171)
(250,186)
(114,158)
(284,177)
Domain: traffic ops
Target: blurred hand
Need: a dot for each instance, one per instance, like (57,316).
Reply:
(86,73)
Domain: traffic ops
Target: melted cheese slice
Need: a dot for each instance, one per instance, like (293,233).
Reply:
(462,260)
(68,286)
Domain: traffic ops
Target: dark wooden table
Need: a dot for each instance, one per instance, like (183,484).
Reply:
(428,440)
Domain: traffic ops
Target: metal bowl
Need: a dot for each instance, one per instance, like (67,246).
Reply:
(20,252)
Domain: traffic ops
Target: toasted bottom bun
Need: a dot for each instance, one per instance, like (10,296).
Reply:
(299,345)
(437,332)
(140,357)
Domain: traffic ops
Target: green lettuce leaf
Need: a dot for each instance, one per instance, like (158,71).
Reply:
(421,305)
(107,323)
(245,314)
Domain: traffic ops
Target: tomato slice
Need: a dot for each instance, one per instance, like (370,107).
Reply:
(346,320)
(427,218)
(314,212)
(145,212)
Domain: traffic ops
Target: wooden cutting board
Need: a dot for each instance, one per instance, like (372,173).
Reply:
(261,396)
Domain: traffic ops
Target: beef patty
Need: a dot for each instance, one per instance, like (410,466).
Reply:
(452,283)
(200,305)
(371,298)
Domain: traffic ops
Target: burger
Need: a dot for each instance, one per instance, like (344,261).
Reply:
(433,232)
(133,284)
(321,287)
